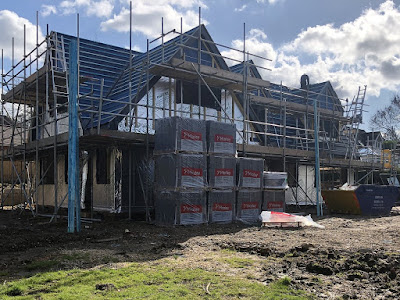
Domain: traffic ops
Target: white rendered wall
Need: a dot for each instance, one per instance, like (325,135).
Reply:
(164,94)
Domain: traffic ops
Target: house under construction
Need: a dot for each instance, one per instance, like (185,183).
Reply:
(121,93)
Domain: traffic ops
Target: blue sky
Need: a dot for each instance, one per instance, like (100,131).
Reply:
(349,43)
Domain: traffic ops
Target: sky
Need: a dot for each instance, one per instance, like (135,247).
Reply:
(350,43)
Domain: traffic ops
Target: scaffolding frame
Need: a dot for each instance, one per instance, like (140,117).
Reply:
(31,94)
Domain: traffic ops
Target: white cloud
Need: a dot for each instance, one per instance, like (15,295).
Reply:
(272,2)
(47,10)
(147,15)
(364,51)
(15,28)
(240,9)
(101,8)
(137,48)
(255,44)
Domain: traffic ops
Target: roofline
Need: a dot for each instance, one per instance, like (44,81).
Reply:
(92,41)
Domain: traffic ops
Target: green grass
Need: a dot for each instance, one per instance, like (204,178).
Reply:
(238,262)
(42,265)
(4,273)
(74,256)
(140,281)
(229,251)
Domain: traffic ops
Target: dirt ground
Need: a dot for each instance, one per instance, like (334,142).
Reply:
(352,258)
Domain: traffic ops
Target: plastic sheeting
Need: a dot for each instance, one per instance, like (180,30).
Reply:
(248,205)
(221,206)
(274,200)
(305,192)
(221,138)
(275,180)
(180,134)
(181,208)
(250,172)
(181,170)
(278,218)
(222,172)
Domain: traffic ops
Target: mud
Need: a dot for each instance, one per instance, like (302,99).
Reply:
(352,258)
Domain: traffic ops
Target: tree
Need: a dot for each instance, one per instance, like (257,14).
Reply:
(387,120)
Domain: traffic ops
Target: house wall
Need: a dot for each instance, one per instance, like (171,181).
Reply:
(62,125)
(104,195)
(305,190)
(165,105)
(15,135)
(9,174)
(45,192)
(351,176)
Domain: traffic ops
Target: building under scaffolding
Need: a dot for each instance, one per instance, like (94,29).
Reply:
(120,95)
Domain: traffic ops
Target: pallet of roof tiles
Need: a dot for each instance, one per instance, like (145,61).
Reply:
(176,134)
(221,172)
(275,180)
(248,205)
(180,171)
(181,207)
(221,138)
(249,172)
(221,206)
(274,200)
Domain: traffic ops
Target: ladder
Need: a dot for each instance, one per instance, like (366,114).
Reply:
(58,68)
(355,117)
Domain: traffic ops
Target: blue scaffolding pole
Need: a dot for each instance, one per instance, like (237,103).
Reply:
(74,217)
(317,171)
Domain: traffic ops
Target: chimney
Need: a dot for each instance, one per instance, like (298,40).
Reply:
(304,82)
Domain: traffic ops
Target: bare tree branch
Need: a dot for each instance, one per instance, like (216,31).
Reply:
(387,119)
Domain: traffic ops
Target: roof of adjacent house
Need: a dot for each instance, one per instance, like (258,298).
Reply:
(323,92)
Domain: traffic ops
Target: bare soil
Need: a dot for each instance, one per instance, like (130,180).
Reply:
(354,257)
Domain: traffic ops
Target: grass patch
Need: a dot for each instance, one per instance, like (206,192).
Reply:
(228,251)
(238,262)
(42,265)
(14,290)
(140,281)
(4,273)
(316,280)
(109,259)
(76,256)
(285,281)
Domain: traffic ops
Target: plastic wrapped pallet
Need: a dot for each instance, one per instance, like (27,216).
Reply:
(165,204)
(177,134)
(180,208)
(222,172)
(250,172)
(274,200)
(248,205)
(221,138)
(221,206)
(181,171)
(275,180)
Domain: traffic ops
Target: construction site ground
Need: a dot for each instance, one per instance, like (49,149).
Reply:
(354,257)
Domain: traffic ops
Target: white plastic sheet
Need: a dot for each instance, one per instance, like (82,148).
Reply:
(271,217)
